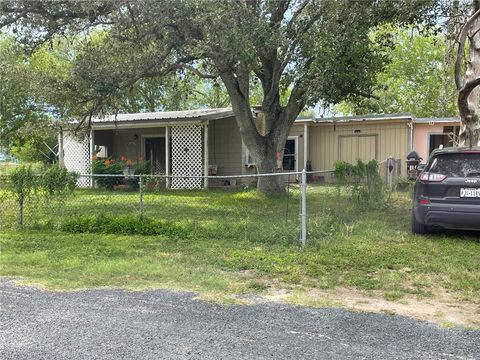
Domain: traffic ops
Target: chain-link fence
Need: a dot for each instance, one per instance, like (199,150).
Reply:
(231,207)
(314,205)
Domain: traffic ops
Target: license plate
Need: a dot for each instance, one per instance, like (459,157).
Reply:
(469,193)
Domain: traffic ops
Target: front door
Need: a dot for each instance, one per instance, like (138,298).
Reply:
(289,155)
(155,154)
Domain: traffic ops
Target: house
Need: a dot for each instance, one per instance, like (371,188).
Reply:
(207,141)
(430,133)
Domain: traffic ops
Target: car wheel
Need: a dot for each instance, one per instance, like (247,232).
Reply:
(418,228)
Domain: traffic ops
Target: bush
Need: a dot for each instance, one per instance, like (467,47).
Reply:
(127,225)
(363,180)
(401,183)
(110,167)
(22,183)
(141,168)
(56,180)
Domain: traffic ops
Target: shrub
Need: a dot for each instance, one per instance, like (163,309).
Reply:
(108,166)
(22,183)
(57,180)
(363,180)
(140,168)
(401,183)
(127,225)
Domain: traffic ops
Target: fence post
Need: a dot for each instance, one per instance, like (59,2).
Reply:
(140,190)
(303,212)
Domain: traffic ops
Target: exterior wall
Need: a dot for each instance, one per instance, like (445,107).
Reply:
(324,141)
(104,138)
(422,134)
(225,147)
(126,142)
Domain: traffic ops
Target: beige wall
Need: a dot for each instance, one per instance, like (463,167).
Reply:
(225,147)
(126,142)
(392,139)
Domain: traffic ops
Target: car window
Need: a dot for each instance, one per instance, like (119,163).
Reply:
(456,165)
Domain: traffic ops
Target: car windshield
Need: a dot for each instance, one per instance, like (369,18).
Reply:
(456,165)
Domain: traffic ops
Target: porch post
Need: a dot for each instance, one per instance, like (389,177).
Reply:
(92,152)
(205,154)
(61,159)
(167,155)
(305,145)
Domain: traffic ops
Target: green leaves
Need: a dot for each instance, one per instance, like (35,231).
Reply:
(418,78)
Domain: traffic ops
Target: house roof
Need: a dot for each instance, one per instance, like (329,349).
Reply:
(436,120)
(167,116)
(221,113)
(360,118)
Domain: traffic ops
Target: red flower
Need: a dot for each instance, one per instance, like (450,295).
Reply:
(123,158)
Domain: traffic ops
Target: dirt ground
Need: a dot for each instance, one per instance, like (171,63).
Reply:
(442,308)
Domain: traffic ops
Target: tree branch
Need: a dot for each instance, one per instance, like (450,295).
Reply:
(461,45)
(465,92)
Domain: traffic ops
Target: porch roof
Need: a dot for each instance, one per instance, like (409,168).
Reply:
(161,118)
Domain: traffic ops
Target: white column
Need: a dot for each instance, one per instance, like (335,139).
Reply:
(305,145)
(167,155)
(61,159)
(205,154)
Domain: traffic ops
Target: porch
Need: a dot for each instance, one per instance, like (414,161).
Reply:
(180,144)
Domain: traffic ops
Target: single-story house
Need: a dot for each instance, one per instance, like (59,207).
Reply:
(207,141)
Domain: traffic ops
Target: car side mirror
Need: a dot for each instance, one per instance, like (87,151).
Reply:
(421,167)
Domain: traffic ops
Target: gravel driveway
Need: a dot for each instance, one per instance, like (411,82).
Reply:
(162,324)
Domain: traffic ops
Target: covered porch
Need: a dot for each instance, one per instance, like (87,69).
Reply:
(181,144)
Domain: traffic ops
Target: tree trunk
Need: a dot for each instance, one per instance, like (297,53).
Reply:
(266,163)
(468,88)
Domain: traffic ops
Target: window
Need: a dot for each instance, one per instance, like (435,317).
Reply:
(288,163)
(456,165)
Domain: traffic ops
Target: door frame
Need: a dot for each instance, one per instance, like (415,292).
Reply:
(295,155)
(143,143)
(429,142)
(143,137)
(340,152)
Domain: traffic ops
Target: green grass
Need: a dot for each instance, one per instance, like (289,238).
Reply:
(238,242)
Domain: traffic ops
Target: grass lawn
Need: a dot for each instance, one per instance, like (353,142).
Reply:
(237,242)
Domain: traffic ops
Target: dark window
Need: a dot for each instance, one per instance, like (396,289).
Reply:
(439,140)
(456,165)
(289,155)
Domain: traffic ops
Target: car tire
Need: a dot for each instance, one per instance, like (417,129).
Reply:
(418,228)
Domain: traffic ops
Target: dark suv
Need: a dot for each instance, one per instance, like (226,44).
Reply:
(447,191)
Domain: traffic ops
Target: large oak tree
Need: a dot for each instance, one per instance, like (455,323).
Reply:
(467,78)
(303,51)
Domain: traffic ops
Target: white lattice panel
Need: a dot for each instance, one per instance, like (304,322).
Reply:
(76,156)
(187,156)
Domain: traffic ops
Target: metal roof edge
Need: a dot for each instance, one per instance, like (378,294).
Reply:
(367,117)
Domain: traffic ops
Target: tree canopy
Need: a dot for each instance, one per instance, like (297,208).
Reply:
(418,78)
(300,52)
